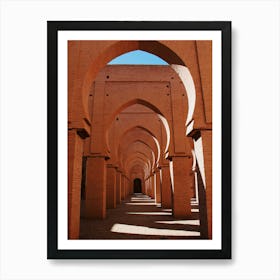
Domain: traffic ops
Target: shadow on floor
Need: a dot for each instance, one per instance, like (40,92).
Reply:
(138,217)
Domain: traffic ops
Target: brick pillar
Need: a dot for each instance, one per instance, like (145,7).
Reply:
(122,187)
(206,136)
(183,180)
(158,186)
(196,187)
(144,186)
(95,203)
(152,186)
(111,187)
(166,201)
(147,189)
(131,186)
(75,153)
(118,187)
(202,205)
(126,187)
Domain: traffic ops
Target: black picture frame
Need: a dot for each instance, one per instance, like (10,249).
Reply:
(52,128)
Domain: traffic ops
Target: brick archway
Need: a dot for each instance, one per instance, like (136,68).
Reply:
(90,115)
(93,56)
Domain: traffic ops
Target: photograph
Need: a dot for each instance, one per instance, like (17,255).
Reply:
(140,160)
(133,152)
(140,140)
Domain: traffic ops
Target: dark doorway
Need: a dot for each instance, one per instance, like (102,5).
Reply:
(137,185)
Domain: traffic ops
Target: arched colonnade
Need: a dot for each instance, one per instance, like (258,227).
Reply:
(152,123)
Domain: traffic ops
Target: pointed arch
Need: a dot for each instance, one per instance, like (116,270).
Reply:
(147,132)
(117,48)
(149,105)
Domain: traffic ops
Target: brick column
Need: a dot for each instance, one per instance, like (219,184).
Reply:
(152,185)
(202,205)
(118,187)
(147,187)
(206,136)
(202,140)
(158,186)
(166,201)
(183,180)
(196,187)
(111,187)
(95,203)
(125,186)
(144,186)
(131,186)
(75,153)
(122,187)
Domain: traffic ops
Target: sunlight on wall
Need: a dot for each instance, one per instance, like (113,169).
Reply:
(186,77)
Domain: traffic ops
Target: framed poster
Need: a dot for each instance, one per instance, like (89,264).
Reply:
(139,153)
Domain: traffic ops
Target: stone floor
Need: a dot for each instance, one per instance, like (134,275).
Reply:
(138,217)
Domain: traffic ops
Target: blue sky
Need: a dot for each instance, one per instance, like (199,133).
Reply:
(138,57)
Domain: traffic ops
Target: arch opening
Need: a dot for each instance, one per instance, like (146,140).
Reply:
(118,48)
(187,80)
(144,135)
(146,104)
(137,185)
(137,57)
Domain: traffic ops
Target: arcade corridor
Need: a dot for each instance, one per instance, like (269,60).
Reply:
(140,141)
(139,217)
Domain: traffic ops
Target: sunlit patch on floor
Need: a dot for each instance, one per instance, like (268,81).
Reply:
(149,213)
(140,203)
(194,203)
(166,210)
(141,217)
(142,199)
(132,229)
(180,222)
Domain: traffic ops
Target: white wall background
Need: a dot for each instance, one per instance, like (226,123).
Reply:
(255,140)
